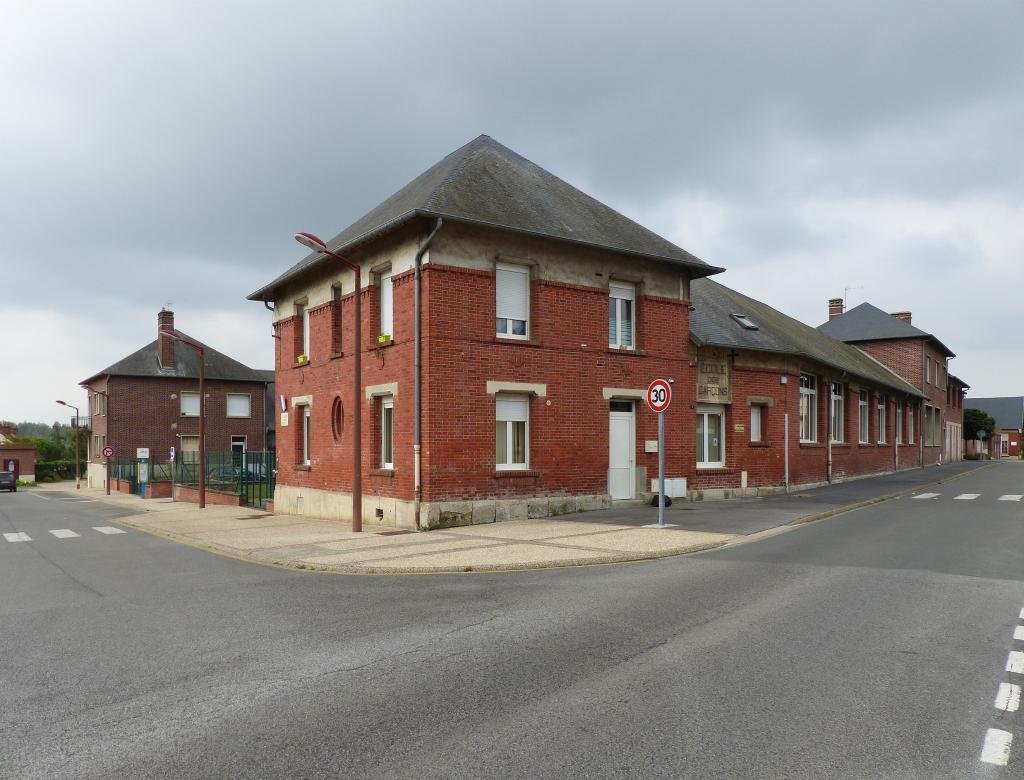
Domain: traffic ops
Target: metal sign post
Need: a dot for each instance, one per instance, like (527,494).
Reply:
(108,453)
(659,396)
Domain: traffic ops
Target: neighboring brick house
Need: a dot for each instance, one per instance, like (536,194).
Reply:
(847,414)
(152,400)
(19,458)
(545,315)
(1008,412)
(916,356)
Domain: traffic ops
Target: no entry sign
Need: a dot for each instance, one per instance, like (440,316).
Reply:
(659,395)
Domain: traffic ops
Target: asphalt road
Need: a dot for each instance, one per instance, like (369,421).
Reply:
(872,644)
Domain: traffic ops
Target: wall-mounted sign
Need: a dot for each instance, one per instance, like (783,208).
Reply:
(714,377)
(142,452)
(284,419)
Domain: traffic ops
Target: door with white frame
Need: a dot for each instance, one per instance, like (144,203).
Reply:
(621,450)
(710,436)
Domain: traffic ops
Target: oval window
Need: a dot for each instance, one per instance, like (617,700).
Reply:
(337,419)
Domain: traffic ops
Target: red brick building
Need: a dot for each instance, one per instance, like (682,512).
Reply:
(780,403)
(916,356)
(19,458)
(545,315)
(151,399)
(1008,412)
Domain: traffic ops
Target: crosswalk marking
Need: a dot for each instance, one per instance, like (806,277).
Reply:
(1018,632)
(996,749)
(1008,697)
(1011,497)
(927,495)
(966,496)
(1015,662)
(63,533)
(20,536)
(107,529)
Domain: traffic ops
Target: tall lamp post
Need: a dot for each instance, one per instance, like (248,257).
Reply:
(317,245)
(177,336)
(74,430)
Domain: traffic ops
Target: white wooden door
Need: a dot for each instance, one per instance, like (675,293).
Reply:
(621,455)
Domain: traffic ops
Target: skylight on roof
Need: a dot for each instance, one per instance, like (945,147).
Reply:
(745,321)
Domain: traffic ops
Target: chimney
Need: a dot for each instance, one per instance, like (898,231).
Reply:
(165,345)
(835,307)
(902,315)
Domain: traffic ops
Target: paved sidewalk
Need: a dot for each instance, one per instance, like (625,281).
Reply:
(608,536)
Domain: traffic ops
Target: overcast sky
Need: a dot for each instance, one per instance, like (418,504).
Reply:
(165,152)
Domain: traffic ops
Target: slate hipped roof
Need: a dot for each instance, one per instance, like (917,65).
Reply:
(145,362)
(712,324)
(1007,411)
(869,323)
(485,183)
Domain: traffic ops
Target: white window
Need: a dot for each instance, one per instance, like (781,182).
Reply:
(710,436)
(836,411)
(512,304)
(239,405)
(387,310)
(620,314)
(302,312)
(238,444)
(928,370)
(899,422)
(808,408)
(911,411)
(881,419)
(387,432)
(304,411)
(190,444)
(512,432)
(756,419)
(189,404)
(864,435)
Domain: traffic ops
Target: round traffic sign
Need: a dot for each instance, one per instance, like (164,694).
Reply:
(108,451)
(659,395)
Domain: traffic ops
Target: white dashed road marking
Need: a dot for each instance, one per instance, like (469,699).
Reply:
(1015,662)
(927,495)
(107,529)
(996,749)
(1008,698)
(1018,632)
(966,496)
(36,495)
(1022,614)
(18,537)
(1011,497)
(64,533)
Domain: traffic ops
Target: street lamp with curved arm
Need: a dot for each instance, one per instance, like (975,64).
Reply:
(74,432)
(316,244)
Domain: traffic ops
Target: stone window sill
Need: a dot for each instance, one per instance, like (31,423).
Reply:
(382,472)
(516,473)
(530,342)
(760,445)
(626,351)
(301,467)
(715,469)
(389,343)
(336,355)
(811,445)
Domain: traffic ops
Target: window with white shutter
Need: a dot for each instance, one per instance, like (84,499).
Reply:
(620,314)
(387,316)
(512,304)
(512,415)
(239,405)
(189,404)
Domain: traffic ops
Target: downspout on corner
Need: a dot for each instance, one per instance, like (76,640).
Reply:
(417,351)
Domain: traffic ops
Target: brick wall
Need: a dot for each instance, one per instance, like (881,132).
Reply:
(142,413)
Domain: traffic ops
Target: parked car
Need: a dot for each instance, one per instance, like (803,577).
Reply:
(8,482)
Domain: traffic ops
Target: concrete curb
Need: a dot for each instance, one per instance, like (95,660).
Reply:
(622,558)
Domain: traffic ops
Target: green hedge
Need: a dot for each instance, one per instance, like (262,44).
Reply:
(56,470)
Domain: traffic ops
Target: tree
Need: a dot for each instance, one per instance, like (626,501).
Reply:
(976,420)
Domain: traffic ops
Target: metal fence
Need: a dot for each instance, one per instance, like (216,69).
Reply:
(251,475)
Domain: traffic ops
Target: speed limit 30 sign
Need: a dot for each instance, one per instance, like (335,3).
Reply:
(659,395)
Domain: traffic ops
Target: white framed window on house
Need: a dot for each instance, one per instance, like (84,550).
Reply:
(756,423)
(387,432)
(928,370)
(911,416)
(189,404)
(239,405)
(189,449)
(881,419)
(899,421)
(238,444)
(302,312)
(710,437)
(306,434)
(512,432)
(621,300)
(863,435)
(836,417)
(808,408)
(512,301)
(387,305)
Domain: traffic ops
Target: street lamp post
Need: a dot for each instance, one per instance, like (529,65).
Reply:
(177,336)
(74,431)
(317,245)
